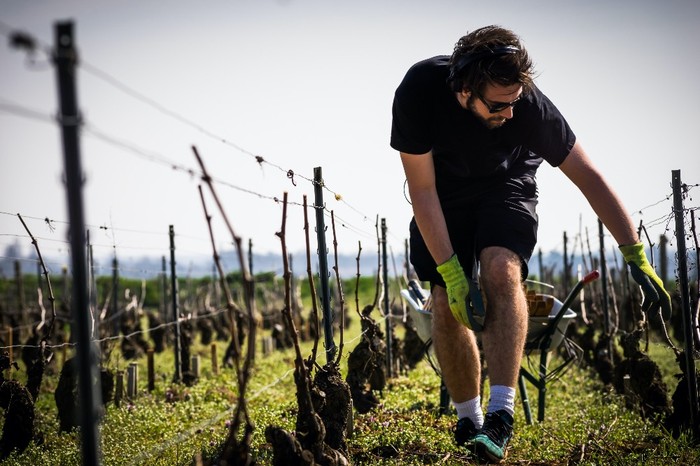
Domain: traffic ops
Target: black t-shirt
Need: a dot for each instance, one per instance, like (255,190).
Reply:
(427,116)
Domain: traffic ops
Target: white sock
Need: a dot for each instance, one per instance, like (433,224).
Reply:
(472,410)
(502,397)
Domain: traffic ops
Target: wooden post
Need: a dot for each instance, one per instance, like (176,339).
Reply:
(196,364)
(132,382)
(151,370)
(214,360)
(119,390)
(268,345)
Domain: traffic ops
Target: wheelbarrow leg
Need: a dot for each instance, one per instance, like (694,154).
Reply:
(524,398)
(542,386)
(444,398)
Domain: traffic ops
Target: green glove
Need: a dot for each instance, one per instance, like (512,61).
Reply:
(457,288)
(644,275)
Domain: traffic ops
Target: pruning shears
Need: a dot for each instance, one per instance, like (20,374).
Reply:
(476,313)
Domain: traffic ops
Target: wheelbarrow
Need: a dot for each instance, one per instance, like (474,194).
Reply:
(545,333)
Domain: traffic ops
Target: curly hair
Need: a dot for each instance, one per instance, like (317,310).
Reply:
(490,55)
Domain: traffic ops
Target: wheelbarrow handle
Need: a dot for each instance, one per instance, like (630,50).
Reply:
(416,292)
(588,278)
(591,276)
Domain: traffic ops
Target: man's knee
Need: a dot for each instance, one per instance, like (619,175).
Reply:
(500,267)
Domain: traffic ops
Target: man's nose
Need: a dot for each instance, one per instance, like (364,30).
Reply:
(507,113)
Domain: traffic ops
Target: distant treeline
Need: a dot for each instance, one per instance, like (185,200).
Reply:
(150,267)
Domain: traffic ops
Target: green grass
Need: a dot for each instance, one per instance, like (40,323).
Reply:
(585,423)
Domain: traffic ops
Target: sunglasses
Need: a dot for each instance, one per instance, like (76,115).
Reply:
(498,106)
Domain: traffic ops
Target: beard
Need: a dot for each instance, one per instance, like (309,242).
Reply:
(490,122)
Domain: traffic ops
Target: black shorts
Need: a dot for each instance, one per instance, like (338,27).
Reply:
(502,214)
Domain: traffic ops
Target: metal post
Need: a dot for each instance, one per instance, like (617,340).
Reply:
(250,270)
(8,341)
(89,271)
(691,377)
(663,258)
(567,274)
(151,368)
(214,287)
(408,260)
(250,257)
(39,272)
(604,279)
(176,306)
(296,305)
(92,291)
(65,59)
(66,295)
(115,296)
(385,305)
(323,266)
(164,293)
(21,303)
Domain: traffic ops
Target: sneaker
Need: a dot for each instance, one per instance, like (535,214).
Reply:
(465,431)
(493,439)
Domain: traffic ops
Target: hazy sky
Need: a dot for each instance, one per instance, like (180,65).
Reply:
(307,84)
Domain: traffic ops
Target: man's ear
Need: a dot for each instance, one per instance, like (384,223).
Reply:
(463,97)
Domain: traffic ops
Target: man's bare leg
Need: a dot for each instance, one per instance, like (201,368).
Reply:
(505,328)
(503,339)
(456,351)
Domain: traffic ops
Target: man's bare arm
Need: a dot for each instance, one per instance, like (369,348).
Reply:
(605,203)
(420,174)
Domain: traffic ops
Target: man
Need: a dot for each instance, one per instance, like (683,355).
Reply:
(472,129)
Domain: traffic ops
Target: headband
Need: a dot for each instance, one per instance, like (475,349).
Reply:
(469,58)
